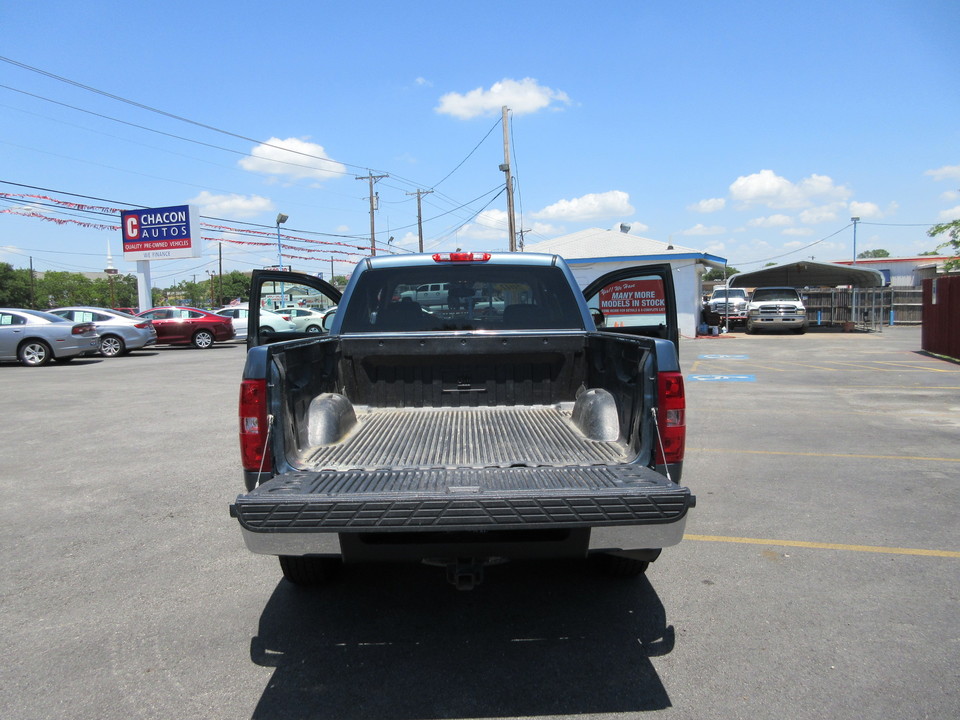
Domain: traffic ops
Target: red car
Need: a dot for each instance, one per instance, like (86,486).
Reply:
(182,325)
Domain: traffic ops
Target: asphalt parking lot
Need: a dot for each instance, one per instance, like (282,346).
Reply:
(819,575)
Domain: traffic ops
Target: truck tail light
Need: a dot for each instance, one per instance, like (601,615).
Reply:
(254,425)
(461,257)
(670,418)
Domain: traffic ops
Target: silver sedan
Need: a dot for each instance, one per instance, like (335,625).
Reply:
(119,332)
(34,338)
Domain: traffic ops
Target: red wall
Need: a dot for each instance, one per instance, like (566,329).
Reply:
(941,319)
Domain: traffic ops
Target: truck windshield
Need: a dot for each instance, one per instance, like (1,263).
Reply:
(775,294)
(731,294)
(461,297)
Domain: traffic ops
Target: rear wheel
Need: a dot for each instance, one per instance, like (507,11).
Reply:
(313,328)
(111,346)
(308,571)
(202,339)
(34,353)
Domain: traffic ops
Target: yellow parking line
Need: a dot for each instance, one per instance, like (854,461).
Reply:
(826,455)
(825,546)
(915,367)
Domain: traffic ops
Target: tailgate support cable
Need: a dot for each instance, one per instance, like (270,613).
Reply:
(656,427)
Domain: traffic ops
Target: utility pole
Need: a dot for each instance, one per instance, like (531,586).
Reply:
(419,193)
(373,235)
(506,171)
(855,220)
(521,232)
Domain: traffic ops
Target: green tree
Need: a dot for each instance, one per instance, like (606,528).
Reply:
(710,276)
(878,253)
(952,231)
(14,287)
(58,288)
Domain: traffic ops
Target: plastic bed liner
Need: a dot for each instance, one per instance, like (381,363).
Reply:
(465,437)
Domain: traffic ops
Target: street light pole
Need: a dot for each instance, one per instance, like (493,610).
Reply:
(281,218)
(855,220)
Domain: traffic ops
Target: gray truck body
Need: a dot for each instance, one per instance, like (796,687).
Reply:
(485,443)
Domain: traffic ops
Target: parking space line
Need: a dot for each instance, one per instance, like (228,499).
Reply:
(916,367)
(856,456)
(826,546)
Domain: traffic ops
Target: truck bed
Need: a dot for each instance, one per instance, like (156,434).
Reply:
(456,469)
(482,437)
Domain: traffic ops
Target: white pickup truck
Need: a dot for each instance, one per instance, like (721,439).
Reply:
(776,308)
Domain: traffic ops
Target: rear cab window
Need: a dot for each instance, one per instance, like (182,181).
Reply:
(451,297)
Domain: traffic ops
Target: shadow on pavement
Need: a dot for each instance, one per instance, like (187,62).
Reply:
(397,641)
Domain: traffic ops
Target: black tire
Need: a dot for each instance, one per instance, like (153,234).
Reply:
(618,566)
(266,330)
(112,346)
(314,329)
(800,330)
(34,353)
(203,339)
(751,330)
(308,571)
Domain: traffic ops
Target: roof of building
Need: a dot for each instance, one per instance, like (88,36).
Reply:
(599,245)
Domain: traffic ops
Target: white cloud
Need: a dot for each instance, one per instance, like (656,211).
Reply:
(771,221)
(949,215)
(522,97)
(233,205)
(294,158)
(776,192)
(614,203)
(700,229)
(797,231)
(709,205)
(423,82)
(947,172)
(949,195)
(822,213)
(865,210)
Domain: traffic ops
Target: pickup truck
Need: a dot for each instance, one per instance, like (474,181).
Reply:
(730,304)
(776,308)
(465,438)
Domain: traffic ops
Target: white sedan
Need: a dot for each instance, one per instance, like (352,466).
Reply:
(270,322)
(308,319)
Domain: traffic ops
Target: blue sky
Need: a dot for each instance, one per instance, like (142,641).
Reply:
(753,131)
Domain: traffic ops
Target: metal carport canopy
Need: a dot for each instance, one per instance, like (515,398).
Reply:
(809,274)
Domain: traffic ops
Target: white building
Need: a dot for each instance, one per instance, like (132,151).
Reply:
(904,271)
(595,252)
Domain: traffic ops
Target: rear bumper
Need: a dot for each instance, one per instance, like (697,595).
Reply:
(290,514)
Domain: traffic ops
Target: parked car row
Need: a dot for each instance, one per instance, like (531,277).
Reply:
(34,337)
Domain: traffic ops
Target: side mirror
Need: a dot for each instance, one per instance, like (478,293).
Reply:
(597,315)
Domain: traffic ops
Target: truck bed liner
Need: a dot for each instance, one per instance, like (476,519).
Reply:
(465,437)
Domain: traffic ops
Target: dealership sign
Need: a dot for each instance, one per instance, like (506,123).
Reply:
(633,297)
(161,233)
